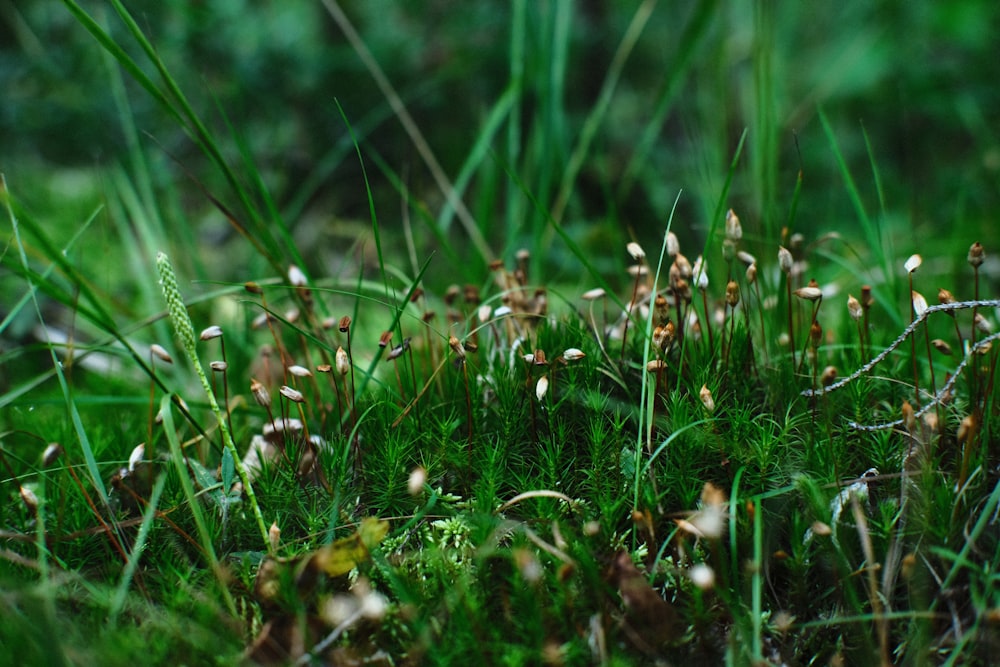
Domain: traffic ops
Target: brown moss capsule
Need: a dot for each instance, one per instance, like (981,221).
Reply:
(344,324)
(867,300)
(815,334)
(211,332)
(732,294)
(785,260)
(385,339)
(294,395)
(160,353)
(853,307)
(252,288)
(456,346)
(944,296)
(941,346)
(829,376)
(260,394)
(343,361)
(976,255)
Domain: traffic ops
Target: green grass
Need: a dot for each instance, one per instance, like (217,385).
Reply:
(513,478)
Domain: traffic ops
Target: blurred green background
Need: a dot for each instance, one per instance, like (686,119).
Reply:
(917,78)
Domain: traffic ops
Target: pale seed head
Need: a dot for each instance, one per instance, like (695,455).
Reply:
(785,260)
(542,387)
(415,484)
(809,293)
(573,354)
(593,294)
(294,395)
(29,499)
(296,277)
(342,361)
(655,366)
(135,458)
(734,230)
(919,302)
(324,368)
(52,452)
(484,313)
(299,371)
(702,576)
(853,307)
(260,393)
(700,275)
(751,274)
(982,324)
(746,258)
(673,245)
(273,536)
(636,251)
(829,376)
(706,398)
(160,353)
(912,263)
(211,332)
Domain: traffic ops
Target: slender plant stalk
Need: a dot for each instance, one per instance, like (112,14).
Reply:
(185,331)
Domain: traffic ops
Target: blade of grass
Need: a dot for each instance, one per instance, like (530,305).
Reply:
(177,457)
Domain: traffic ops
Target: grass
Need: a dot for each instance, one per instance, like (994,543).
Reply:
(430,446)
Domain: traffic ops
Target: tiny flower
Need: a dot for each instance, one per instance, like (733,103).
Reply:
(734,231)
(342,361)
(976,255)
(542,387)
(211,332)
(913,263)
(853,307)
(294,395)
(160,353)
(636,251)
(785,260)
(706,398)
